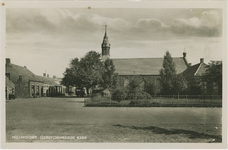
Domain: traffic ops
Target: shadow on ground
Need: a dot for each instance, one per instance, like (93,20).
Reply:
(190,134)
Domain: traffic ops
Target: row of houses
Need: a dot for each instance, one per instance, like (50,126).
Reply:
(22,83)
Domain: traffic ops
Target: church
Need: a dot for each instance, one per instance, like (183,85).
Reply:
(147,68)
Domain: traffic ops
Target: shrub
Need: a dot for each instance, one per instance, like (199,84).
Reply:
(139,95)
(137,102)
(119,94)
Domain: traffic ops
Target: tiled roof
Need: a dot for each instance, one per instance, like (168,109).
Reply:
(145,66)
(9,83)
(195,70)
(24,72)
(46,80)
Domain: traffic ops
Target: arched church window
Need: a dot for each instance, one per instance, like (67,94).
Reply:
(126,82)
(141,85)
(158,83)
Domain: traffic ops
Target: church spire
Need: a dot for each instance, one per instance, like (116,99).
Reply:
(105,46)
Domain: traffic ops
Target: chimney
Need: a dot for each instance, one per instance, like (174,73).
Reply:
(184,54)
(201,60)
(47,75)
(54,77)
(189,64)
(20,78)
(7,61)
(44,74)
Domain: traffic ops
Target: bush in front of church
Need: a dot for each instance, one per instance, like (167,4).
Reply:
(140,95)
(119,94)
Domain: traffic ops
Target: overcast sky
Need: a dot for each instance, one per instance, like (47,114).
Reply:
(46,39)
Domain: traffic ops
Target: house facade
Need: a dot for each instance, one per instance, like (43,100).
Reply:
(196,86)
(26,83)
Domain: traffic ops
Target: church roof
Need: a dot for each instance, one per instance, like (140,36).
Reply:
(145,66)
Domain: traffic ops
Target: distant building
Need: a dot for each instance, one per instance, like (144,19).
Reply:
(147,68)
(196,86)
(51,88)
(28,85)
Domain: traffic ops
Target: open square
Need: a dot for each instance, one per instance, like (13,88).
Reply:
(45,117)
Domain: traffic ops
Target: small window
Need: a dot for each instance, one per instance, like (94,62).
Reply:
(126,82)
(141,85)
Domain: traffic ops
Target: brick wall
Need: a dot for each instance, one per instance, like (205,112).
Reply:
(22,90)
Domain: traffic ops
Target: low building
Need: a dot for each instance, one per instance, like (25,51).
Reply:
(194,77)
(26,83)
(51,87)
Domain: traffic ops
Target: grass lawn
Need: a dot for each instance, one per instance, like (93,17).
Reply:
(67,117)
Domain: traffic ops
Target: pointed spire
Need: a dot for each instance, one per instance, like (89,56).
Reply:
(105,40)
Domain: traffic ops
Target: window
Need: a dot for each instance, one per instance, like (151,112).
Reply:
(126,82)
(33,90)
(141,85)
(37,90)
(215,88)
(204,87)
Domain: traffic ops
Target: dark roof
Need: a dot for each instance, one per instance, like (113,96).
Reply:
(145,66)
(24,72)
(195,70)
(9,83)
(47,80)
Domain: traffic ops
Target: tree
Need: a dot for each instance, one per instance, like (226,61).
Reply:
(110,78)
(90,71)
(179,84)
(213,76)
(167,74)
(71,76)
(171,82)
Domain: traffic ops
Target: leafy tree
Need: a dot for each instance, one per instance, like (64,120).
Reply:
(179,84)
(134,86)
(171,82)
(109,76)
(150,87)
(213,76)
(71,75)
(167,74)
(90,71)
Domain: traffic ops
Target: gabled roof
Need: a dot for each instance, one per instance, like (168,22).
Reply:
(9,83)
(145,66)
(24,72)
(195,70)
(46,80)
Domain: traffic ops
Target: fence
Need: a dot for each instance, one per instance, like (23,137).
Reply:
(188,96)
(160,101)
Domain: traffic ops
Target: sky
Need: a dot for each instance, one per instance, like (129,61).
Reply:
(45,40)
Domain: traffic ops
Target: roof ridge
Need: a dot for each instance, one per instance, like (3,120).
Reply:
(200,64)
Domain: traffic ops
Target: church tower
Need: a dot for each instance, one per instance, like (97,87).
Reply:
(105,46)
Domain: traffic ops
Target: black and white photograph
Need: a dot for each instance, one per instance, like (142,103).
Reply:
(114,75)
